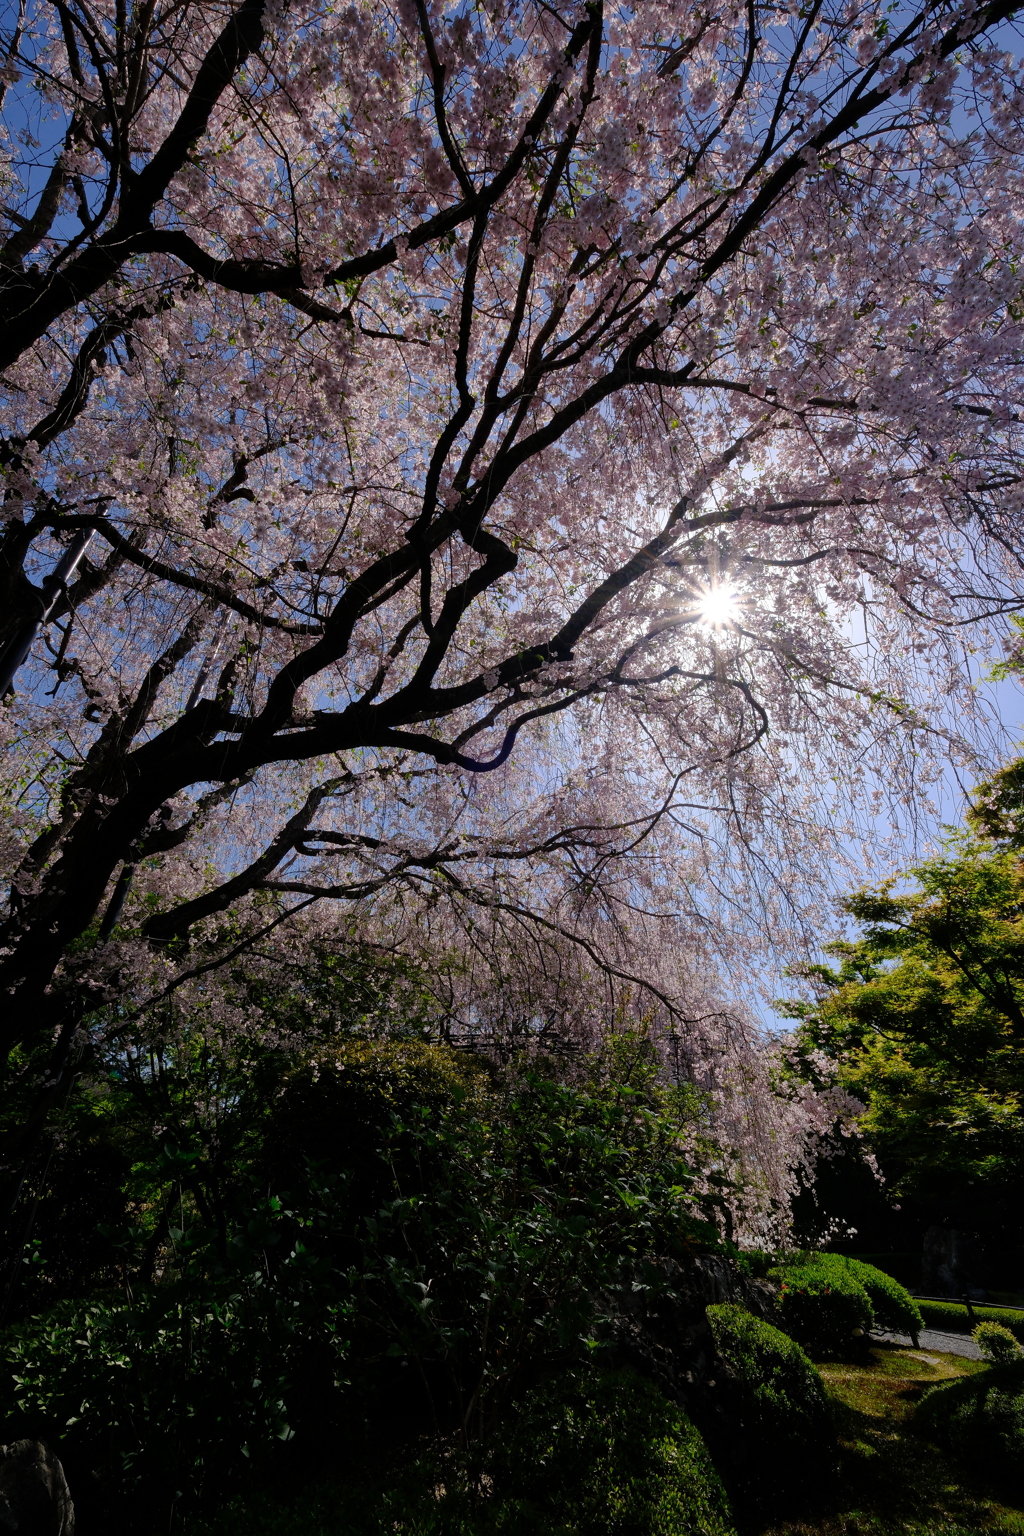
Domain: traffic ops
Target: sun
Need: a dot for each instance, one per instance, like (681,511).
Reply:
(718,607)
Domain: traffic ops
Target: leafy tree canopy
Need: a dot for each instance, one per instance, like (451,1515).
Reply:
(922,1016)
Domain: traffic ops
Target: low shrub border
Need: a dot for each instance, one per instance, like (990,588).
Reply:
(952,1317)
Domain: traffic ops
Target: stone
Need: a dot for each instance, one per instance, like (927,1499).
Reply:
(34,1496)
(948,1264)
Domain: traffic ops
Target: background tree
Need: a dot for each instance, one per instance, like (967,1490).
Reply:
(922,1022)
(496,429)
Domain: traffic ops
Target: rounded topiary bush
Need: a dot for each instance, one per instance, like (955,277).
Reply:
(980,1419)
(822,1304)
(778,1380)
(996,1343)
(768,1424)
(605,1456)
(893,1307)
(827,1299)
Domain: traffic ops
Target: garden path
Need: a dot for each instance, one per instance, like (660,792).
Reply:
(946,1343)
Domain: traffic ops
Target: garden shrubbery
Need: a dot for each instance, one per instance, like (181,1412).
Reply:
(827,1300)
(981,1420)
(487,1226)
(390,1277)
(589,1453)
(996,1343)
(610,1456)
(821,1304)
(776,1380)
(414,1239)
(167,1401)
(771,1420)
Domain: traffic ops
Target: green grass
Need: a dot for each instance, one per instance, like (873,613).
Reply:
(891,1481)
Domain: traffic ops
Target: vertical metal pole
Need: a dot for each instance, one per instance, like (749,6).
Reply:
(16,652)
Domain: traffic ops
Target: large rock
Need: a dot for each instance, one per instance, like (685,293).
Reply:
(34,1497)
(949,1263)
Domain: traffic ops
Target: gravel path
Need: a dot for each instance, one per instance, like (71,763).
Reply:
(945,1343)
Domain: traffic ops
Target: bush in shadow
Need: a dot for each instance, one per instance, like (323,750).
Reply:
(767,1419)
(980,1419)
(417,1241)
(590,1453)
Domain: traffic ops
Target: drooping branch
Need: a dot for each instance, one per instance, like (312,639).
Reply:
(515,461)
(31,302)
(169,925)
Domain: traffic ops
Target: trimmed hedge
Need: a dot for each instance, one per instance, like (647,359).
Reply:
(997,1344)
(981,1420)
(951,1317)
(821,1304)
(609,1456)
(827,1299)
(770,1422)
(892,1304)
(779,1383)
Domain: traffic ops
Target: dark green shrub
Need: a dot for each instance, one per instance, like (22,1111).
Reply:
(400,1506)
(486,1227)
(778,1381)
(439,1236)
(321,1511)
(169,1118)
(608,1456)
(825,1298)
(981,1420)
(360,1108)
(894,1308)
(167,1403)
(755,1262)
(597,1454)
(822,1304)
(770,1420)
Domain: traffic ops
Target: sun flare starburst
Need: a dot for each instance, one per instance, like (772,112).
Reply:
(718,607)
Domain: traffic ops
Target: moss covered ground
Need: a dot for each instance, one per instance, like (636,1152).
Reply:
(892,1481)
